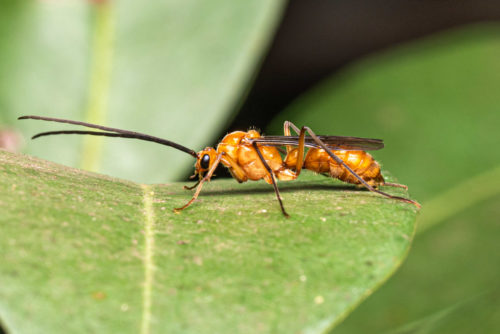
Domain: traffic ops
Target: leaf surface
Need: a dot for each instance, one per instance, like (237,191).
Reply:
(88,253)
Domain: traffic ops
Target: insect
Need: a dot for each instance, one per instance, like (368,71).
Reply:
(250,156)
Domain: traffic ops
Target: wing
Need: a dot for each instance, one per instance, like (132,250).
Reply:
(333,142)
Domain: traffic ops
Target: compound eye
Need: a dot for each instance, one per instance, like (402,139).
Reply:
(205,161)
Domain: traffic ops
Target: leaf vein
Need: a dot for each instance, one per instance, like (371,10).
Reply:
(149,232)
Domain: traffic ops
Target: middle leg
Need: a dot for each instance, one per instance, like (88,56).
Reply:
(271,174)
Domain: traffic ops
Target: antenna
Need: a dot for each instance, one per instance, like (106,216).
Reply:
(112,132)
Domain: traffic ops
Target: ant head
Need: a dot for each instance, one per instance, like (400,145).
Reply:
(205,159)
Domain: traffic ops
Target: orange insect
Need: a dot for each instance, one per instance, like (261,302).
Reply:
(250,156)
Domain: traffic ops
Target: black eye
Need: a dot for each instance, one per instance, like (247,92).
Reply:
(205,161)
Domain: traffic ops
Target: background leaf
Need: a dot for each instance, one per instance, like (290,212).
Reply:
(436,104)
(173,69)
(452,263)
(88,253)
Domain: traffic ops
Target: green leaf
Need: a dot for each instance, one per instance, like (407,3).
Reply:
(173,69)
(482,310)
(83,252)
(449,284)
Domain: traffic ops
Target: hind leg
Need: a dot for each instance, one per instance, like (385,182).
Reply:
(353,173)
(396,185)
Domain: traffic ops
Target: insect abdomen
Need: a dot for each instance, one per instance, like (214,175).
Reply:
(359,161)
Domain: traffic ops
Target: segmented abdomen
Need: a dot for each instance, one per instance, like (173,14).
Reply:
(359,161)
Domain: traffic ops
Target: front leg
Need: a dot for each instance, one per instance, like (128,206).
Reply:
(200,185)
(193,186)
(236,171)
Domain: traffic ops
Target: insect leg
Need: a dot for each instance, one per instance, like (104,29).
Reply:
(270,171)
(300,154)
(236,171)
(286,129)
(397,185)
(192,187)
(287,125)
(341,162)
(200,185)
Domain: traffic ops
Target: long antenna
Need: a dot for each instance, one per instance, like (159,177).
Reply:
(113,132)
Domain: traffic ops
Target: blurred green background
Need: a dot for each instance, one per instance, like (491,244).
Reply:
(418,77)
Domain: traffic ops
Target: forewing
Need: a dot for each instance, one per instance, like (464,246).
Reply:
(333,142)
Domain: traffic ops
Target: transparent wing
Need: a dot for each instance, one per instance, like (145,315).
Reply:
(333,142)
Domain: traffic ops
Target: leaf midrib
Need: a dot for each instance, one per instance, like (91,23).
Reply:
(99,82)
(149,234)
